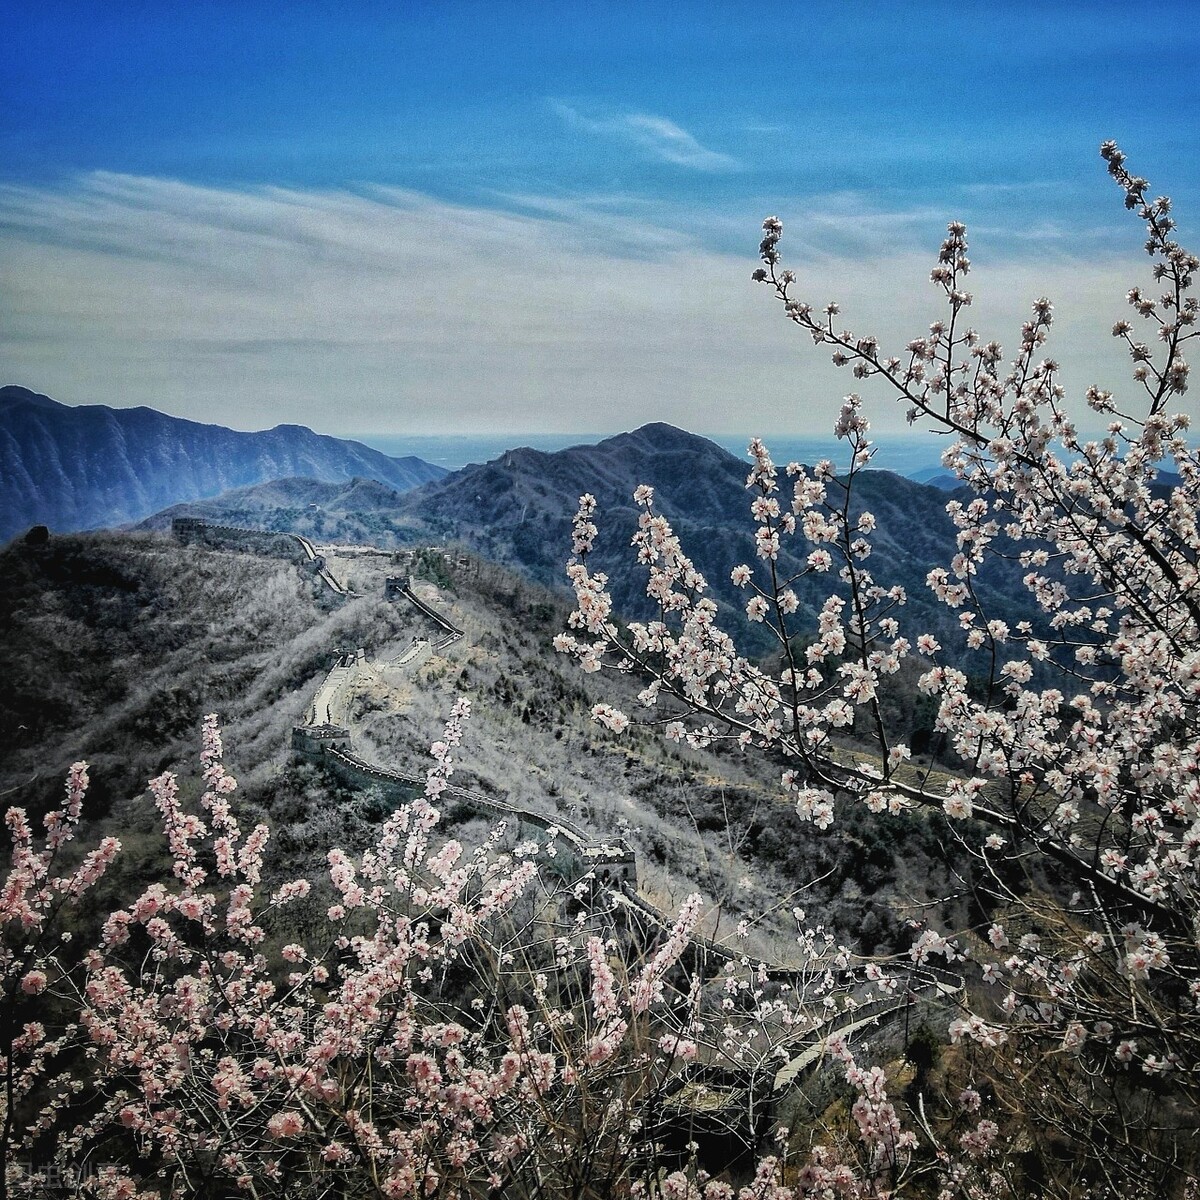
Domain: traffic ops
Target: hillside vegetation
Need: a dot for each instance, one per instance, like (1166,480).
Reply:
(120,643)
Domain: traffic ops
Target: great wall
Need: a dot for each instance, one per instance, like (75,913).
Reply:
(195,531)
(608,868)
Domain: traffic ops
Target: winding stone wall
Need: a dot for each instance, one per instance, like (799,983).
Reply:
(399,587)
(611,863)
(194,531)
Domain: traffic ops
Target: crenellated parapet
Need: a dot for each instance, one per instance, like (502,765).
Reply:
(400,588)
(612,863)
(280,544)
(194,531)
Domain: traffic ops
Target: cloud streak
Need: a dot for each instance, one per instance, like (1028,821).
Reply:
(392,311)
(659,137)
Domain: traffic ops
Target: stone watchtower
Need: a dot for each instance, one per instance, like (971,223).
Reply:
(612,863)
(311,741)
(187,529)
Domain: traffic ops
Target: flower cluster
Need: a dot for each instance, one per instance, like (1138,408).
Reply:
(204,1052)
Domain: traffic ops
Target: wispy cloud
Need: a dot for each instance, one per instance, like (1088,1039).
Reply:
(392,310)
(1005,188)
(658,136)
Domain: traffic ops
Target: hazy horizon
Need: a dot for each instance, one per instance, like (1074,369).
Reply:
(902,454)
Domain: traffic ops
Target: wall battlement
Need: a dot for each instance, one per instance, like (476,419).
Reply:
(331,746)
(194,530)
(280,544)
(400,587)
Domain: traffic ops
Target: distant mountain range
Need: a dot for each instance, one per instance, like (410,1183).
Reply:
(72,468)
(517,510)
(94,466)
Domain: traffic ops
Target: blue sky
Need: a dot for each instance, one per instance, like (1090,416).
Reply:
(441,217)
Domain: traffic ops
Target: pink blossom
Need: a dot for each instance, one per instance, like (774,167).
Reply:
(33,982)
(285,1125)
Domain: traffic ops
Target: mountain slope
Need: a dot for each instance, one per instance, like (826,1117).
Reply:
(75,468)
(693,477)
(517,510)
(118,643)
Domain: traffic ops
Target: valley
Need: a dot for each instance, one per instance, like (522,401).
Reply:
(136,636)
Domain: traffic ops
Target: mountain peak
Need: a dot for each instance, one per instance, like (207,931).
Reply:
(15,394)
(662,429)
(660,438)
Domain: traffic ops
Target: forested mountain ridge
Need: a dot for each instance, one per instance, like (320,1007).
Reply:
(518,509)
(93,466)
